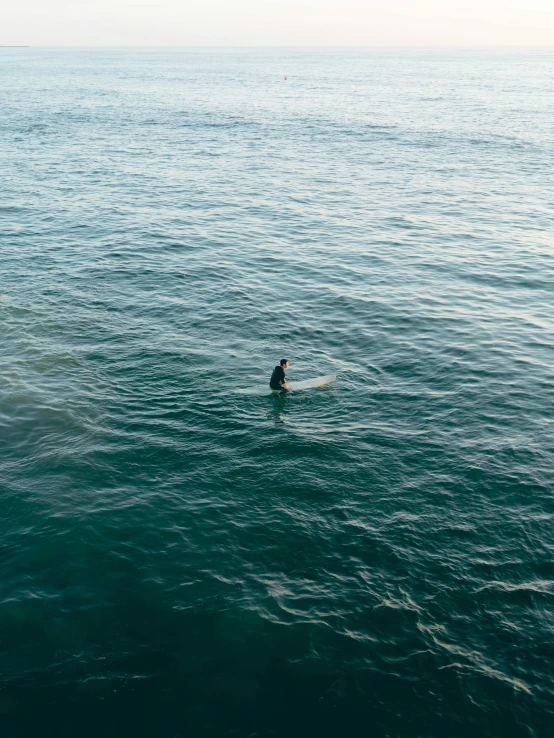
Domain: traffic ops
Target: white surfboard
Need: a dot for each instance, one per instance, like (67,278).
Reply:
(295,386)
(309,383)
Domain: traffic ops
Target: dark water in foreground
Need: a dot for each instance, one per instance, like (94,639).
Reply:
(182,559)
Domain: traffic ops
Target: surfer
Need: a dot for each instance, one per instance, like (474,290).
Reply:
(278,379)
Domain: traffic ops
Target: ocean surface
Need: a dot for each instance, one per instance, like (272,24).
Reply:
(182,556)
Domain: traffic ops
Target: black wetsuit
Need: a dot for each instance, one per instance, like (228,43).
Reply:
(278,378)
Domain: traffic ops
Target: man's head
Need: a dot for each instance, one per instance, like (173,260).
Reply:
(284,363)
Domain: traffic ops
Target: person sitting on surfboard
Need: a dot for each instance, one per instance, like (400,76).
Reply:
(278,379)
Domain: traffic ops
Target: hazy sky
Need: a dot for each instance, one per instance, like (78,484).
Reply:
(277,22)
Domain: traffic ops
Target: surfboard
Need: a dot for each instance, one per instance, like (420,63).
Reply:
(295,386)
(309,383)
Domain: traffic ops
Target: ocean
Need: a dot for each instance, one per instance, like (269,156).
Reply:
(185,554)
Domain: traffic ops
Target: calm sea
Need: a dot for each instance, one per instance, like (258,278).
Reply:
(181,558)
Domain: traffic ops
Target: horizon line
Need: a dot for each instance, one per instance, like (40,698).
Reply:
(278,46)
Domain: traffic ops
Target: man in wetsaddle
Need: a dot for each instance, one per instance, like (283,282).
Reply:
(278,379)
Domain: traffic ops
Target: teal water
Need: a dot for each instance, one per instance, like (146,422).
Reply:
(181,558)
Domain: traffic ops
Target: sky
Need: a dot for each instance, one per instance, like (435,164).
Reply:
(277,22)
